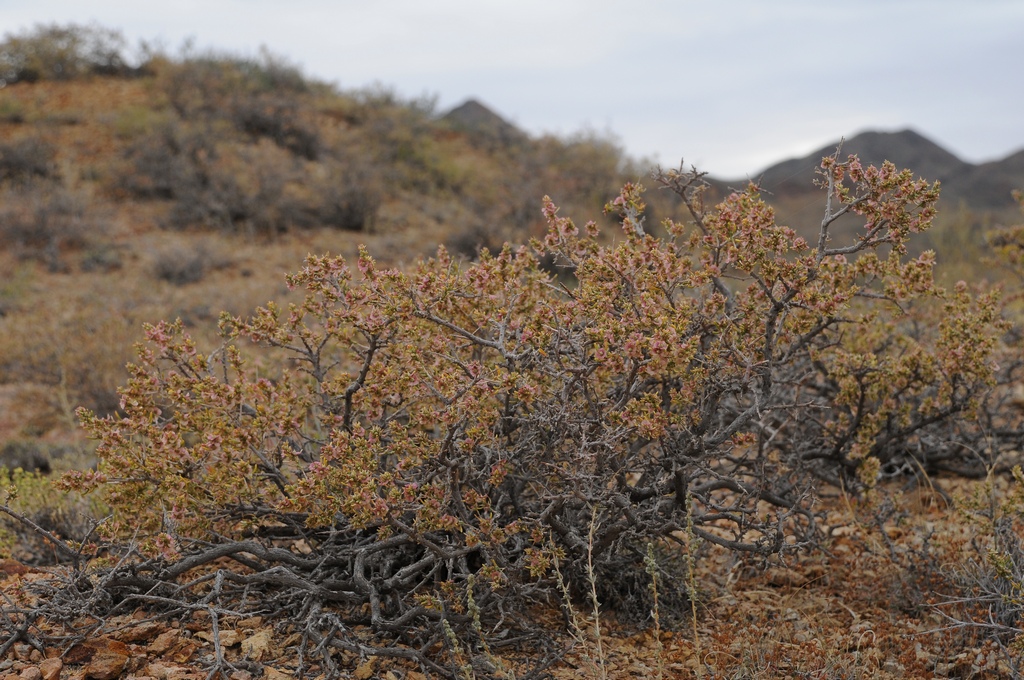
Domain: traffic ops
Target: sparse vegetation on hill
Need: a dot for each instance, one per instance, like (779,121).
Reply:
(109,174)
(578,449)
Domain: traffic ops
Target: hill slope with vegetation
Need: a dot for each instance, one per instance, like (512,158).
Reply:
(189,185)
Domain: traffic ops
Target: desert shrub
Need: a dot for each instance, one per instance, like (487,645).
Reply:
(399,135)
(262,98)
(1008,250)
(194,86)
(435,439)
(168,163)
(102,257)
(33,455)
(55,52)
(66,517)
(66,359)
(135,122)
(991,572)
(469,241)
(215,186)
(181,266)
(241,192)
(11,111)
(280,120)
(13,288)
(40,220)
(255,188)
(589,164)
(187,263)
(206,85)
(346,193)
(27,159)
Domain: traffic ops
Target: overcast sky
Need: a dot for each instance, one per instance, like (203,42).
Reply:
(731,85)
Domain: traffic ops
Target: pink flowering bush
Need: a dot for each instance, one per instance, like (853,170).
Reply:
(412,450)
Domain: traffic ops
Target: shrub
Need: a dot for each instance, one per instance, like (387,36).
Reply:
(55,52)
(280,120)
(33,455)
(990,572)
(250,188)
(182,265)
(11,111)
(27,159)
(66,517)
(212,185)
(38,221)
(238,193)
(346,195)
(168,163)
(207,85)
(436,439)
(1008,248)
(62,359)
(471,240)
(101,258)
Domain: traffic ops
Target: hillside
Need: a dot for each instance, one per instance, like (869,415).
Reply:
(184,187)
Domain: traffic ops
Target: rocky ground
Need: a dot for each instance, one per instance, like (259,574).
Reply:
(870,605)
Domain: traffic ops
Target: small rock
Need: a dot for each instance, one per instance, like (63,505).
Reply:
(51,668)
(158,670)
(164,642)
(35,656)
(250,623)
(22,652)
(31,673)
(12,568)
(257,645)
(365,670)
(144,632)
(80,654)
(166,671)
(109,661)
(228,638)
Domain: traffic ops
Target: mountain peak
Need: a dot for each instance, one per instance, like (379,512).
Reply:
(905,148)
(477,119)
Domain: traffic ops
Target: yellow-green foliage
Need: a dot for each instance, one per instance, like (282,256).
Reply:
(66,515)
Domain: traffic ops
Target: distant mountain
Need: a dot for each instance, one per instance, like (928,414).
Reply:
(480,122)
(981,187)
(989,185)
